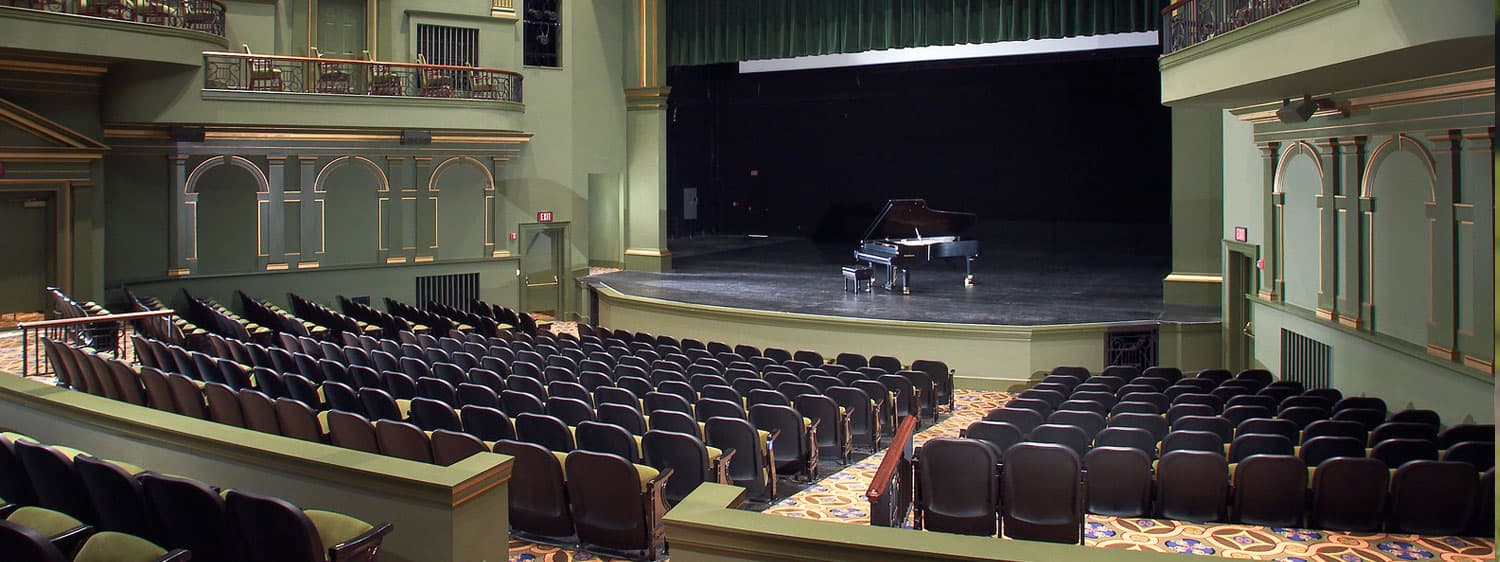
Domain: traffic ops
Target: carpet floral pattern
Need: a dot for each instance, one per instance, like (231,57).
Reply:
(840,498)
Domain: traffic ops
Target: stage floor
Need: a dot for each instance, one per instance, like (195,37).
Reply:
(1011,287)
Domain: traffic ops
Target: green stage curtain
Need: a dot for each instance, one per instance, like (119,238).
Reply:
(715,31)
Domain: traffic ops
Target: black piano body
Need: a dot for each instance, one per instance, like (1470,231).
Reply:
(907,234)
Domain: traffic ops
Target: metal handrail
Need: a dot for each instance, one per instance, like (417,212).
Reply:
(113,328)
(323,75)
(206,16)
(1185,23)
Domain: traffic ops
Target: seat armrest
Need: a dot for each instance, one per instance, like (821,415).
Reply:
(363,548)
(721,466)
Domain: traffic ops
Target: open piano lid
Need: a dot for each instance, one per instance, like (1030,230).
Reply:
(905,218)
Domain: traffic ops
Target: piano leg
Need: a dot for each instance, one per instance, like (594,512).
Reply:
(968,272)
(905,281)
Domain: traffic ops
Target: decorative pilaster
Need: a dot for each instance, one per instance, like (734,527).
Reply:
(313,208)
(1270,277)
(401,234)
(495,235)
(275,216)
(1475,218)
(646,141)
(1440,324)
(1352,241)
(425,211)
(180,250)
(1328,235)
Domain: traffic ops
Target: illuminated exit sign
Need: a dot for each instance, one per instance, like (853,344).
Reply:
(544,216)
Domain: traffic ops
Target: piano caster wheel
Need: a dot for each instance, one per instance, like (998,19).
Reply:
(969,281)
(905,290)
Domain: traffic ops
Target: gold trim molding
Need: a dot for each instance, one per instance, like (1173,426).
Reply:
(1265,113)
(1212,278)
(647,98)
(648,252)
(318,134)
(1436,350)
(1473,362)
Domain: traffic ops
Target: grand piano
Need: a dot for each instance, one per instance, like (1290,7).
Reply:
(907,234)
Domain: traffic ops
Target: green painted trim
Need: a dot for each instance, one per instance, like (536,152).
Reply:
(165,279)
(111,24)
(1295,16)
(1384,341)
(706,526)
(355,99)
(987,332)
(377,474)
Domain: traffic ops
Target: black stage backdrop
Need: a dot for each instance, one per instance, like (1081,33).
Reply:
(1053,152)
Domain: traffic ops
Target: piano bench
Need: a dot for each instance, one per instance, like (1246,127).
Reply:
(858,278)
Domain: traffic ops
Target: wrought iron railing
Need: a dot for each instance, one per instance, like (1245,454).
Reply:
(109,332)
(890,491)
(310,75)
(198,15)
(1185,23)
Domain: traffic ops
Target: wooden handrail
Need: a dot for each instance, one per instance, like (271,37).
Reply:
(61,322)
(1175,5)
(326,60)
(904,433)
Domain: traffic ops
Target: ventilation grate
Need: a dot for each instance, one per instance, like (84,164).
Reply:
(456,290)
(1305,360)
(1134,346)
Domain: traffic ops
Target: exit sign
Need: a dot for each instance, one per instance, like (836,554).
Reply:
(1241,234)
(544,216)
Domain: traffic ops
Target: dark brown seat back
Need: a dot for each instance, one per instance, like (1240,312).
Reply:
(1269,489)
(1433,497)
(1119,482)
(352,431)
(611,511)
(403,440)
(538,494)
(1043,495)
(1348,494)
(959,483)
(449,447)
(1192,486)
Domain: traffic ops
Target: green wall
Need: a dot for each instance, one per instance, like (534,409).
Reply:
(1197,174)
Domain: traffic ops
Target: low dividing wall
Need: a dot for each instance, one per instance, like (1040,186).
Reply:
(454,513)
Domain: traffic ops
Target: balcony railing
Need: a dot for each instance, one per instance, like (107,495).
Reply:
(206,16)
(308,75)
(1185,23)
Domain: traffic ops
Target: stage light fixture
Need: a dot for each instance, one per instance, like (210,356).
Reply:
(1296,112)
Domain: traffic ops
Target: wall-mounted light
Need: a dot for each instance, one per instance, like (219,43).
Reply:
(1301,110)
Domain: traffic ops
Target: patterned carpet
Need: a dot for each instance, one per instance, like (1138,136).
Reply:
(840,497)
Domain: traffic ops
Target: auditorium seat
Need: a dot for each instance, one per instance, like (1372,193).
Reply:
(683,453)
(1402,430)
(449,447)
(1179,411)
(118,500)
(539,508)
(1466,432)
(624,416)
(403,440)
(1270,426)
(1066,435)
(341,396)
(1479,454)
(488,424)
(864,424)
(1250,444)
(1118,482)
(299,421)
(352,431)
(544,430)
(1043,495)
(1318,450)
(618,506)
(748,468)
(277,531)
(1348,494)
(1192,486)
(1335,428)
(1368,417)
(958,483)
(192,516)
(609,438)
(186,396)
(223,405)
(1433,497)
(1187,440)
(1212,424)
(833,425)
(1398,452)
(1091,423)
(57,486)
(794,452)
(1156,425)
(1128,437)
(1269,489)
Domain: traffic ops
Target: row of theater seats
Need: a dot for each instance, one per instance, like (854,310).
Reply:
(1201,453)
(1334,426)
(62,503)
(290,404)
(543,500)
(865,400)
(268,314)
